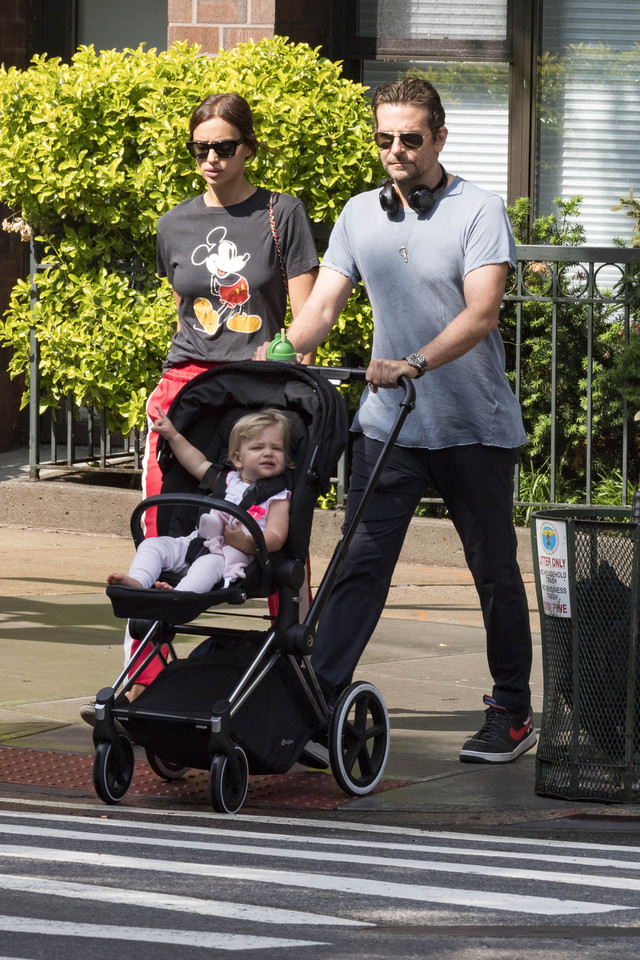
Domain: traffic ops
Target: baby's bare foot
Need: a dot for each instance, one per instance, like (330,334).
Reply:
(161,585)
(122,580)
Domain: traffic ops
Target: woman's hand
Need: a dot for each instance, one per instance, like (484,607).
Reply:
(261,354)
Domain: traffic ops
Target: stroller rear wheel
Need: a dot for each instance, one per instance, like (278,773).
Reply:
(359,738)
(226,792)
(112,776)
(165,769)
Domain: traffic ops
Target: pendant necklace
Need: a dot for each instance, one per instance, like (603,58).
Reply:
(424,205)
(403,249)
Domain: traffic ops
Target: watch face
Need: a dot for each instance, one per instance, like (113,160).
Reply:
(416,359)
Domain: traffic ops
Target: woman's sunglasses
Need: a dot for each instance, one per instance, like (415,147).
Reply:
(225,149)
(412,141)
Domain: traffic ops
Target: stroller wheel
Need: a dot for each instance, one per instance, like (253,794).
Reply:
(165,769)
(359,738)
(227,792)
(112,776)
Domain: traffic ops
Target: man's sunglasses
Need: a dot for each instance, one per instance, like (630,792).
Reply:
(225,149)
(412,141)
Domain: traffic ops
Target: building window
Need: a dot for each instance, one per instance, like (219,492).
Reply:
(455,28)
(588,110)
(542,97)
(463,47)
(120,23)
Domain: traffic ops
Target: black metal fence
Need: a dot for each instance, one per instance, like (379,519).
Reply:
(579,291)
(590,283)
(76,439)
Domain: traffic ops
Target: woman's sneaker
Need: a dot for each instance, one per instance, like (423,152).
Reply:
(88,713)
(502,738)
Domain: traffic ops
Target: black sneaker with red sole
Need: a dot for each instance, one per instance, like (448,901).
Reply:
(502,738)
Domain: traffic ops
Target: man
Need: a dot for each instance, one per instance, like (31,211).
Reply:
(433,252)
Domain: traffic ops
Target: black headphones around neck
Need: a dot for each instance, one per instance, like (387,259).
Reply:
(421,199)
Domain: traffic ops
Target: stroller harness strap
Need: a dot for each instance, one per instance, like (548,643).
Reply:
(214,482)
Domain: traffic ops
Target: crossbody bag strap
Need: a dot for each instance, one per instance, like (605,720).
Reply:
(272,221)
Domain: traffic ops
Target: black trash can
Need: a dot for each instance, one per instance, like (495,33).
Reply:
(586,565)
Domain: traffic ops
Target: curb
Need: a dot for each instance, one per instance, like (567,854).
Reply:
(79,507)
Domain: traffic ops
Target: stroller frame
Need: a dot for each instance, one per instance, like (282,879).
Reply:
(355,727)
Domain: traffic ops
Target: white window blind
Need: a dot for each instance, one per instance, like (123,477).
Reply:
(589,110)
(475,97)
(434,19)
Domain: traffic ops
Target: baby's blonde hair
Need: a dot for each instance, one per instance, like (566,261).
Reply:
(252,424)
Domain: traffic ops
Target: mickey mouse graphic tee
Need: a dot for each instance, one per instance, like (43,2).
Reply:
(224,265)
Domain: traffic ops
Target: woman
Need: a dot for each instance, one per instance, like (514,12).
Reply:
(231,254)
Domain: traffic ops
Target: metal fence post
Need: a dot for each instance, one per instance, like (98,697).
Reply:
(34,405)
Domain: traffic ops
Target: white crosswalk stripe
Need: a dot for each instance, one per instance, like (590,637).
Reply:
(175,902)
(362,886)
(148,934)
(621,883)
(230,881)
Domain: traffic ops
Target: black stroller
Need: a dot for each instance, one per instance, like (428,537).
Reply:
(244,701)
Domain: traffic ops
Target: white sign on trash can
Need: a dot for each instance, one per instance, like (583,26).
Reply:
(551,538)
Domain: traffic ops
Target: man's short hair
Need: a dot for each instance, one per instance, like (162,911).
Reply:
(411,91)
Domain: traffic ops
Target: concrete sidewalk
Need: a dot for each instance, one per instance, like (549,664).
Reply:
(61,643)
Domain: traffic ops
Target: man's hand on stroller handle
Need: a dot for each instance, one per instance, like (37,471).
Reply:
(386,373)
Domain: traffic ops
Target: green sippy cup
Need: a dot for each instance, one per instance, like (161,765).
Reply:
(281,349)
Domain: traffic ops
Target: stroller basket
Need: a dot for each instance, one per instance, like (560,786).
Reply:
(244,701)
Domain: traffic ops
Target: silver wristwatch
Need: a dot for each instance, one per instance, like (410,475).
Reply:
(419,362)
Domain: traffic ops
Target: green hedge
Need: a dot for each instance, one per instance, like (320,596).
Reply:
(92,153)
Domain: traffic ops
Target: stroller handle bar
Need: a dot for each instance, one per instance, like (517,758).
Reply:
(357,374)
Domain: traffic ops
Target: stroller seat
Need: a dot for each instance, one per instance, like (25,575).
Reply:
(262,575)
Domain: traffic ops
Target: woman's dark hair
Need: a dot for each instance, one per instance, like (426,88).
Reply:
(230,107)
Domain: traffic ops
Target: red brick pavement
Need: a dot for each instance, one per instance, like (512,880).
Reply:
(72,772)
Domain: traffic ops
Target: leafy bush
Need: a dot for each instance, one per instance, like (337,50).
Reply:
(92,153)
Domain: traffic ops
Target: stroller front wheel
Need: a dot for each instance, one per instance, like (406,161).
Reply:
(112,774)
(359,738)
(226,791)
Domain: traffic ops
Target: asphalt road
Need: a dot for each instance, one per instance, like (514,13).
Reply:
(77,881)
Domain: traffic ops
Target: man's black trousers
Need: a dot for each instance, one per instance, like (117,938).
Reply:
(476,484)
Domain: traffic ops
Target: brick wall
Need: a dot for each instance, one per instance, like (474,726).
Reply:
(216,24)
(220,23)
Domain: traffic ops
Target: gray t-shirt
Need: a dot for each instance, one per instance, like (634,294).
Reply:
(463,402)
(224,264)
